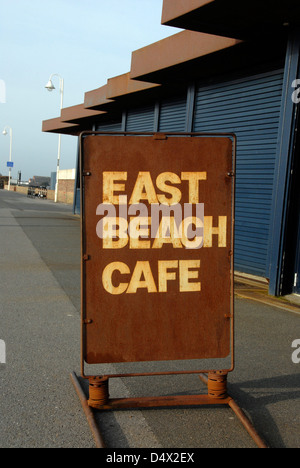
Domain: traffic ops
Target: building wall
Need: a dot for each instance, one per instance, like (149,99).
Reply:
(250,108)
(66,184)
(66,191)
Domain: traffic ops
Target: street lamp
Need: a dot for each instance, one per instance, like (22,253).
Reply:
(50,87)
(10,150)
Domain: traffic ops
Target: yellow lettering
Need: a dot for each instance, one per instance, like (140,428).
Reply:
(167,234)
(173,191)
(142,277)
(115,233)
(143,190)
(186,274)
(220,231)
(110,187)
(197,241)
(142,269)
(107,278)
(164,275)
(139,227)
(194,178)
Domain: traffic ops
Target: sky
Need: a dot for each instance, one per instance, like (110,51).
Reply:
(84,41)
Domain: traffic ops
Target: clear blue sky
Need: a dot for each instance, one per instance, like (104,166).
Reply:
(86,42)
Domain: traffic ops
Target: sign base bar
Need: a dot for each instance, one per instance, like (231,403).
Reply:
(158,402)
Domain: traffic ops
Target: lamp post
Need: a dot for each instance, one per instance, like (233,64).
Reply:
(50,87)
(10,150)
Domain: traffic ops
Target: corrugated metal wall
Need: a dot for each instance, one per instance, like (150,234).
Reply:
(173,115)
(140,119)
(250,108)
(110,127)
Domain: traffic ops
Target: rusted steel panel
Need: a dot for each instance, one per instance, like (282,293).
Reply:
(148,297)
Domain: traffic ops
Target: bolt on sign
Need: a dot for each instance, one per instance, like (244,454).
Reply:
(157,247)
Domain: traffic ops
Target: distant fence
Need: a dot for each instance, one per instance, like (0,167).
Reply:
(63,196)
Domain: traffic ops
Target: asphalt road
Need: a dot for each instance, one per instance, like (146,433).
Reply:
(40,324)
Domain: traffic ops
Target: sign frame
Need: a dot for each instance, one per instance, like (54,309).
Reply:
(85,322)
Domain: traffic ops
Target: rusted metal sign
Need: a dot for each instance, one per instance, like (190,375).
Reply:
(157,247)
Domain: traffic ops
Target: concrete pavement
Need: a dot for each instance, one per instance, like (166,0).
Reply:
(40,324)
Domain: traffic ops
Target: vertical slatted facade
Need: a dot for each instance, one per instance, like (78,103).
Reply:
(140,119)
(109,127)
(249,107)
(172,116)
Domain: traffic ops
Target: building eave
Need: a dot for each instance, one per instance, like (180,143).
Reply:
(153,62)
(57,126)
(246,19)
(76,114)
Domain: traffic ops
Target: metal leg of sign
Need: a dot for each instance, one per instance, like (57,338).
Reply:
(88,412)
(238,412)
(217,395)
